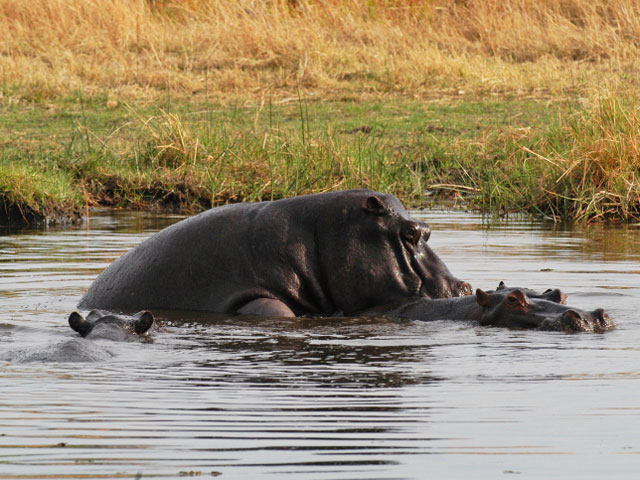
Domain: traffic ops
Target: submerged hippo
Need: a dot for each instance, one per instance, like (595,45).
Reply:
(510,307)
(97,326)
(108,326)
(316,254)
(551,294)
(74,350)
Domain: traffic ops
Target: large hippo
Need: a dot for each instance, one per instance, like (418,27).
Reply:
(510,307)
(316,254)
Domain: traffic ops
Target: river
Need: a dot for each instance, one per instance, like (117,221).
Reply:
(328,398)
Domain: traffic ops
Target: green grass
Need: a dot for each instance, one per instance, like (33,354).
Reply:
(498,155)
(30,192)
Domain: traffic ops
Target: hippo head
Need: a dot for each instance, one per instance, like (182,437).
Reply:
(553,295)
(112,327)
(512,307)
(374,253)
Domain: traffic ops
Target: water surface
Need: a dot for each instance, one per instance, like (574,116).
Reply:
(328,398)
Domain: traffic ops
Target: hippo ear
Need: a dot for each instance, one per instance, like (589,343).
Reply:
(144,322)
(517,297)
(483,298)
(79,324)
(555,295)
(501,285)
(375,205)
(94,315)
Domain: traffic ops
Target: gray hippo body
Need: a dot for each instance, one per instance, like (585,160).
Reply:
(75,350)
(97,326)
(316,254)
(510,307)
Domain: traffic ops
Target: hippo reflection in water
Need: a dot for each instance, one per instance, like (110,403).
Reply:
(97,326)
(510,307)
(312,255)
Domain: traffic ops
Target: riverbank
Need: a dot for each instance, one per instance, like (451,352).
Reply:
(155,105)
(553,158)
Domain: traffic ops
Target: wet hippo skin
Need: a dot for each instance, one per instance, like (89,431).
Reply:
(97,326)
(510,307)
(316,254)
(108,326)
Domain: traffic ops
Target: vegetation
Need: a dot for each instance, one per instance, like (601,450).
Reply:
(512,105)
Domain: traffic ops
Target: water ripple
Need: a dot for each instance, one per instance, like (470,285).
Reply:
(320,398)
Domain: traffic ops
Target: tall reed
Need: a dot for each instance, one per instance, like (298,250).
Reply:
(585,165)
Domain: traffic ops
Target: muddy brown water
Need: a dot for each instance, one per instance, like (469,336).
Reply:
(325,398)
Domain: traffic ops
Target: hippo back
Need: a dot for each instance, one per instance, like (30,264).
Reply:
(317,254)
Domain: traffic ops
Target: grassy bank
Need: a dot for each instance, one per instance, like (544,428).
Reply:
(555,159)
(503,106)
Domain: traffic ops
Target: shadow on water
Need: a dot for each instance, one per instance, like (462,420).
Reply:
(317,398)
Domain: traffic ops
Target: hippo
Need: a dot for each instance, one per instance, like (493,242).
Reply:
(97,326)
(108,326)
(317,254)
(510,307)
(551,294)
(74,350)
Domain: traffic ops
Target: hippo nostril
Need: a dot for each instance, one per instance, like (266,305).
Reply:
(426,232)
(573,316)
(600,314)
(576,321)
(465,289)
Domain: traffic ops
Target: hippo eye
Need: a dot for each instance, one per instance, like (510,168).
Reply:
(512,300)
(412,233)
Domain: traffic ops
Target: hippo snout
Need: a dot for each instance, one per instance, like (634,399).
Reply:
(574,321)
(600,314)
(604,321)
(464,289)
(454,288)
(595,321)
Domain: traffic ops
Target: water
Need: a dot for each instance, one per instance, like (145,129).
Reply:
(322,398)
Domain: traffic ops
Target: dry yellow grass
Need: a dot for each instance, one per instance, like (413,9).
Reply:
(242,48)
(267,51)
